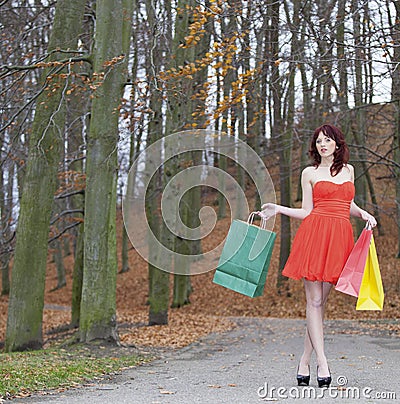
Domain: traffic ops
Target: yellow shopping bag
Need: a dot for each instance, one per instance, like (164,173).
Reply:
(371,293)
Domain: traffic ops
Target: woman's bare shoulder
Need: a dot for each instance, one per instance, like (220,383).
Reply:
(308,173)
(308,170)
(349,167)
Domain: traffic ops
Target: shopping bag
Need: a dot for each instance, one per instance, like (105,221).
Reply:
(349,281)
(371,293)
(245,258)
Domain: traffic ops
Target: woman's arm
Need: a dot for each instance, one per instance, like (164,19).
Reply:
(271,209)
(356,211)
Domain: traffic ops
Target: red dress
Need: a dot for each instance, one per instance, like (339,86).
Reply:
(324,239)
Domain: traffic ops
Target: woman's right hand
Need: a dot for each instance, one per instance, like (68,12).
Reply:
(368,218)
(268,210)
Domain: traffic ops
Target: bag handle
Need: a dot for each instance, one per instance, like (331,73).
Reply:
(263,224)
(368,225)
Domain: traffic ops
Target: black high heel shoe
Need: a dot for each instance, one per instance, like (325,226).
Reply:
(324,381)
(303,380)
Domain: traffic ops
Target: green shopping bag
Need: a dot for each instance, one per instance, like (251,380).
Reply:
(245,258)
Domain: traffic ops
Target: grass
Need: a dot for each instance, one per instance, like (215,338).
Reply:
(24,373)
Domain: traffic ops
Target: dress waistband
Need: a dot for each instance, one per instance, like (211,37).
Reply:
(335,208)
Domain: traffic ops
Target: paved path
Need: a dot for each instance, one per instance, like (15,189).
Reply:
(249,364)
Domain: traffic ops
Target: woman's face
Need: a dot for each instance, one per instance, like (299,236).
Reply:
(325,145)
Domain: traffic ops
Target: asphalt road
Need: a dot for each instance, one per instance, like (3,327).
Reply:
(254,363)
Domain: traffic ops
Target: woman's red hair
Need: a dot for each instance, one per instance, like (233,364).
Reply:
(341,154)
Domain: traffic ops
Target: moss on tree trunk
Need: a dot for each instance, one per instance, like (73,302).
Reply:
(98,304)
(24,323)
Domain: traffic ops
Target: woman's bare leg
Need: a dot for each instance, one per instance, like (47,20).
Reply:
(306,357)
(308,348)
(316,295)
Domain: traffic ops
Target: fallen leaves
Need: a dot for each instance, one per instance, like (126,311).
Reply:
(183,328)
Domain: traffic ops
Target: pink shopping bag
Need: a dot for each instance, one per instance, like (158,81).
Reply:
(349,281)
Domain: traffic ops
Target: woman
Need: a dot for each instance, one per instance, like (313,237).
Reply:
(324,239)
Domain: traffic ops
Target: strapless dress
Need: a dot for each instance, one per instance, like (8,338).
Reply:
(324,239)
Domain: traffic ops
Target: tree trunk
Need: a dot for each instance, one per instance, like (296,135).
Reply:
(77,105)
(77,279)
(254,115)
(5,277)
(58,206)
(360,121)
(285,155)
(182,245)
(6,211)
(396,105)
(283,141)
(371,188)
(25,309)
(60,269)
(158,279)
(308,119)
(222,162)
(342,68)
(98,304)
(135,140)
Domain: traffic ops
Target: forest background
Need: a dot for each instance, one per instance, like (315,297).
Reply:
(85,86)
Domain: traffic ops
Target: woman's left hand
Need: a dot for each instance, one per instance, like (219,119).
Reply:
(368,218)
(268,210)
